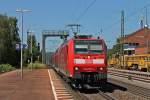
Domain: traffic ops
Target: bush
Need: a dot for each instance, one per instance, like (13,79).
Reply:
(6,68)
(37,65)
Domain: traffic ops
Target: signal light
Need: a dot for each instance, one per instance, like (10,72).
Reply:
(76,68)
(101,68)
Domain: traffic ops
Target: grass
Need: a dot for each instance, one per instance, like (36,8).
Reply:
(37,65)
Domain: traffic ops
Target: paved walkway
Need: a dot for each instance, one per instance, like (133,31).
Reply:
(35,85)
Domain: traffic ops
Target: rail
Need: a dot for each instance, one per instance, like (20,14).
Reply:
(76,94)
(133,75)
(137,90)
(106,96)
(139,73)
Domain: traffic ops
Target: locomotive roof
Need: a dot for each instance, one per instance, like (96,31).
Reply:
(83,36)
(89,38)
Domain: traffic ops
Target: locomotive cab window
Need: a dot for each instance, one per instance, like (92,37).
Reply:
(95,49)
(88,46)
(81,48)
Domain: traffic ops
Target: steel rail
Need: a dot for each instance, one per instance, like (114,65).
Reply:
(81,96)
(143,74)
(137,90)
(106,96)
(76,94)
(142,79)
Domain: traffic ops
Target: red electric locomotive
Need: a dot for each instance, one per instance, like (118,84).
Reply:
(82,60)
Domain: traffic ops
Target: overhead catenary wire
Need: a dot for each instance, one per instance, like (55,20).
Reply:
(80,17)
(82,14)
(126,18)
(85,11)
(115,23)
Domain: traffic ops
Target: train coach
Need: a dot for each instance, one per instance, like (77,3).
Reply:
(82,60)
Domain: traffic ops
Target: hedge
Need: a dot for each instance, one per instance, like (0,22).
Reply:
(6,68)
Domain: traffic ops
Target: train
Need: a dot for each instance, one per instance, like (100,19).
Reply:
(82,60)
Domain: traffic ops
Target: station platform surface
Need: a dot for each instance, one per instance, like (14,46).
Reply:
(35,85)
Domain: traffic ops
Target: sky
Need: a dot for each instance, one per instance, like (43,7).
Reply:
(56,14)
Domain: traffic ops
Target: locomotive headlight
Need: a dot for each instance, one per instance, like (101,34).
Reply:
(101,68)
(76,68)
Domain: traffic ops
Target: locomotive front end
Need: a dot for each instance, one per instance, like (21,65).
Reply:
(90,61)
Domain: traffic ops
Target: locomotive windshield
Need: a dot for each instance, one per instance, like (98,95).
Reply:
(88,46)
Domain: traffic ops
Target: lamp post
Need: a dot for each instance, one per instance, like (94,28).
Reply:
(31,34)
(21,59)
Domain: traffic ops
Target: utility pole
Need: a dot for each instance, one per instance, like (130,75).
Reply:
(142,21)
(146,17)
(0,49)
(21,59)
(31,45)
(31,51)
(122,38)
(146,33)
(43,48)
(108,49)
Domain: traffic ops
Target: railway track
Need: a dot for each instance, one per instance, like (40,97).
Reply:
(137,90)
(106,96)
(140,76)
(85,94)
(111,92)
(76,94)
(59,91)
(132,75)
(106,93)
(95,94)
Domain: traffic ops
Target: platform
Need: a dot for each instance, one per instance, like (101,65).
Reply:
(35,85)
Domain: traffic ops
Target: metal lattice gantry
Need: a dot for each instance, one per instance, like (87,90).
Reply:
(63,34)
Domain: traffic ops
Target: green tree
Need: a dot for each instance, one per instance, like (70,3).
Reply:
(35,51)
(115,50)
(8,38)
